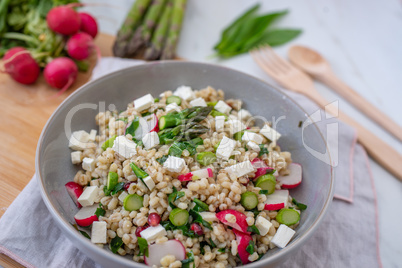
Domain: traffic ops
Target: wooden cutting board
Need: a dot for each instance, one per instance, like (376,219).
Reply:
(24,110)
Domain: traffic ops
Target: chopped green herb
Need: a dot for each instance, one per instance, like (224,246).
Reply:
(187,262)
(145,114)
(263,150)
(251,247)
(222,250)
(115,244)
(168,225)
(238,135)
(176,149)
(212,244)
(174,196)
(143,244)
(156,100)
(133,126)
(263,191)
(255,211)
(141,174)
(253,229)
(109,143)
(85,234)
(198,218)
(202,245)
(100,211)
(106,191)
(202,205)
(301,206)
(162,159)
(118,188)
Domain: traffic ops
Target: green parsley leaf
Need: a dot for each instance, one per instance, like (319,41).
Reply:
(117,188)
(301,206)
(263,150)
(115,244)
(187,262)
(100,211)
(106,191)
(263,191)
(212,244)
(222,250)
(253,229)
(174,196)
(85,234)
(133,126)
(250,248)
(162,159)
(198,218)
(143,244)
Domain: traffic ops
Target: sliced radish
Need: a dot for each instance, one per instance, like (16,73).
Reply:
(243,241)
(86,216)
(241,222)
(293,179)
(152,121)
(74,190)
(158,251)
(142,129)
(277,200)
(261,167)
(196,175)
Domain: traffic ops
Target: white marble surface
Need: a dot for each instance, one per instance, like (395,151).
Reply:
(362,39)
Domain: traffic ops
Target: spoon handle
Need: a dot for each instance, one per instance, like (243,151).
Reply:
(361,103)
(380,151)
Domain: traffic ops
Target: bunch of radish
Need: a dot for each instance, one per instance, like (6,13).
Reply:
(78,30)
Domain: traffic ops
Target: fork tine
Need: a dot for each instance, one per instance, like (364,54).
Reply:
(269,59)
(279,59)
(255,53)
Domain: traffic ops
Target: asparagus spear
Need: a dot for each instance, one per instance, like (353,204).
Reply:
(169,50)
(194,114)
(181,132)
(159,36)
(133,20)
(150,20)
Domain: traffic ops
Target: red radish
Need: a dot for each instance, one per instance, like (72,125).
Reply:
(146,124)
(86,216)
(261,167)
(293,179)
(152,121)
(88,24)
(61,73)
(154,219)
(158,251)
(140,229)
(241,222)
(243,240)
(80,46)
(196,175)
(74,190)
(63,20)
(277,200)
(197,229)
(20,65)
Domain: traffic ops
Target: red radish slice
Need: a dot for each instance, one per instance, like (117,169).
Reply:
(86,216)
(277,200)
(158,251)
(243,241)
(258,163)
(241,222)
(142,129)
(198,174)
(293,179)
(74,190)
(261,167)
(152,122)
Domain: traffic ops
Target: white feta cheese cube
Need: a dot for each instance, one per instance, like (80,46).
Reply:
(222,107)
(270,133)
(208,216)
(263,225)
(124,147)
(240,169)
(225,148)
(198,102)
(122,196)
(150,140)
(87,198)
(153,232)
(88,164)
(253,146)
(76,157)
(143,103)
(184,92)
(92,135)
(234,126)
(98,232)
(174,164)
(173,107)
(149,182)
(243,114)
(282,236)
(251,136)
(220,123)
(78,140)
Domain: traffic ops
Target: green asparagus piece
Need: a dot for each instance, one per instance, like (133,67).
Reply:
(152,18)
(154,50)
(135,42)
(169,50)
(195,114)
(133,20)
(184,132)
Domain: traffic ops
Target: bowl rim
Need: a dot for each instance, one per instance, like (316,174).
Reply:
(68,229)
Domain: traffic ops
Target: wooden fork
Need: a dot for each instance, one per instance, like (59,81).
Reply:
(295,80)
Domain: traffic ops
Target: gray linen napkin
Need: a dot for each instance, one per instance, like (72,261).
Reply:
(348,236)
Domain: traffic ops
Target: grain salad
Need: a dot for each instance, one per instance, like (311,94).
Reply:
(184,180)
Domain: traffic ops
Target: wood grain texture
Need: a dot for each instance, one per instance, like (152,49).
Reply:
(24,110)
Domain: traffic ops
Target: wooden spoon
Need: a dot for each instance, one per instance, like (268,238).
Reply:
(315,65)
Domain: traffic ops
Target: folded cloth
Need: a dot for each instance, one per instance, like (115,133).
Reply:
(347,237)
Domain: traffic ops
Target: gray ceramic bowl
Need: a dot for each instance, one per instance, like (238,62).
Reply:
(54,168)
